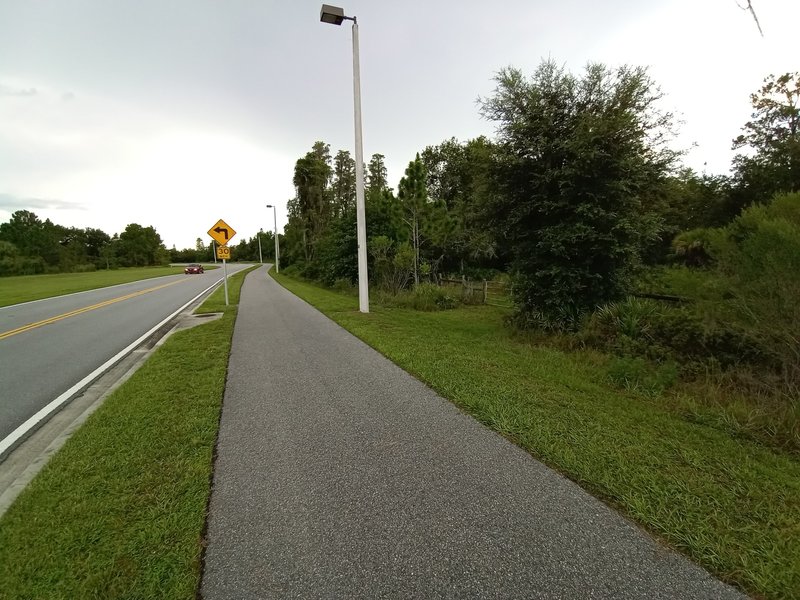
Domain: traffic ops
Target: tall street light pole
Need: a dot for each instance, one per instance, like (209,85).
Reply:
(277,251)
(335,16)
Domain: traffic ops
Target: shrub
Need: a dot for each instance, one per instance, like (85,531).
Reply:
(692,248)
(425,297)
(645,328)
(393,264)
(344,285)
(639,375)
(291,271)
(689,338)
(632,317)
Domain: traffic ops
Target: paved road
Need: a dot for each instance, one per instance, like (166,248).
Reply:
(341,476)
(71,336)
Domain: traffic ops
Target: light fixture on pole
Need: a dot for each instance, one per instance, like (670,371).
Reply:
(335,16)
(277,251)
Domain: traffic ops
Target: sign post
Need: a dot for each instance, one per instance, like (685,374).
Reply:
(223,233)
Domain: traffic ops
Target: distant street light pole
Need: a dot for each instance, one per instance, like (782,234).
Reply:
(260,259)
(277,251)
(335,15)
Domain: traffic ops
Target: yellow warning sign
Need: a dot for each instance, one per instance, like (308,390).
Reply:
(222,232)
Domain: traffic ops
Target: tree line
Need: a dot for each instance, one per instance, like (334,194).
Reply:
(578,191)
(31,246)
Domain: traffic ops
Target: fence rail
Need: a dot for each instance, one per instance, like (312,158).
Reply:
(500,293)
(495,293)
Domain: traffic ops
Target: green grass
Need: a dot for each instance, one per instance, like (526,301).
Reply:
(730,504)
(25,288)
(119,511)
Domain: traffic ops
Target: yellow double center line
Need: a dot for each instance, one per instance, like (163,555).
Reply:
(79,311)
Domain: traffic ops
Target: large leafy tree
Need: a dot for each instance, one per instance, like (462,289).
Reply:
(458,177)
(96,241)
(772,137)
(377,177)
(73,250)
(384,215)
(343,186)
(33,237)
(413,196)
(312,209)
(140,247)
(428,221)
(575,157)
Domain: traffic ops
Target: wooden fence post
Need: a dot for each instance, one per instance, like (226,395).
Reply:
(485,291)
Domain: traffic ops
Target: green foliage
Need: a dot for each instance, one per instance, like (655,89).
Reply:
(575,157)
(343,285)
(763,253)
(458,179)
(647,328)
(311,211)
(691,248)
(247,249)
(423,297)
(343,186)
(291,271)
(772,137)
(642,376)
(392,264)
(686,201)
(377,175)
(140,247)
(30,246)
(337,251)
(757,260)
(384,216)
(13,263)
(412,193)
(427,296)
(33,237)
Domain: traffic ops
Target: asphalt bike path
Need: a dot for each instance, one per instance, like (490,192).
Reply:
(339,475)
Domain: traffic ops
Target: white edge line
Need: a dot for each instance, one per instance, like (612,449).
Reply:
(43,413)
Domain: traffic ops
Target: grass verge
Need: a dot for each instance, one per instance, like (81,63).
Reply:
(730,504)
(119,511)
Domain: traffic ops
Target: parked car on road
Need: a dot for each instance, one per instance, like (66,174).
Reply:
(193,269)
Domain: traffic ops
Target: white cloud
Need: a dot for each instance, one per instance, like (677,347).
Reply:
(7,90)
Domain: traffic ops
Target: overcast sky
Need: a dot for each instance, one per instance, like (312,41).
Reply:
(176,113)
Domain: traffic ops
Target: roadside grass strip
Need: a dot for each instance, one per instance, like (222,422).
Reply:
(731,505)
(119,511)
(26,288)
